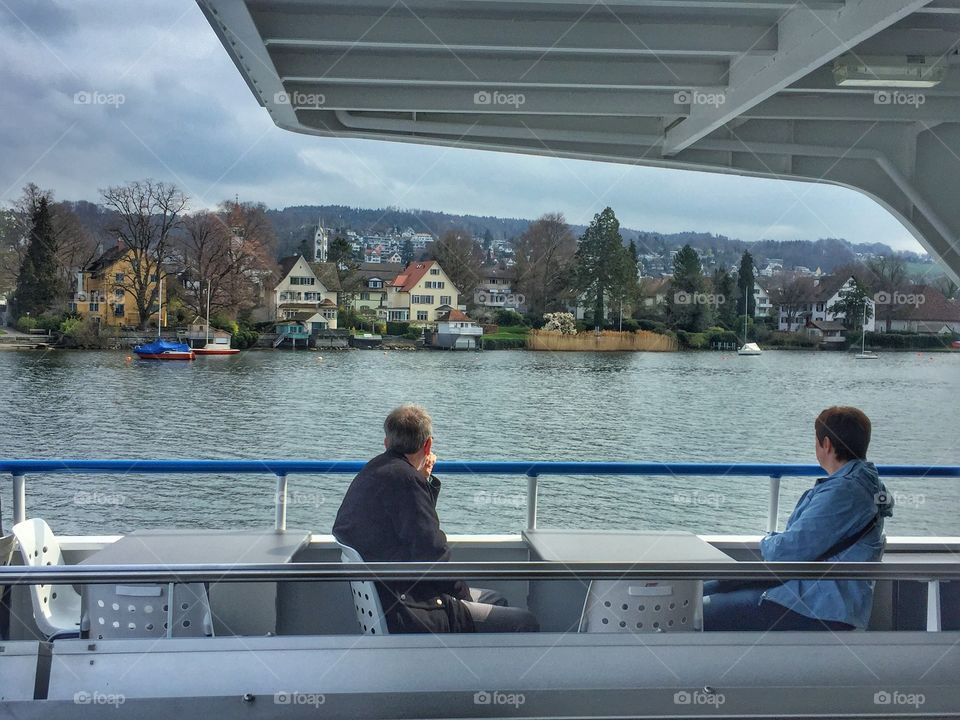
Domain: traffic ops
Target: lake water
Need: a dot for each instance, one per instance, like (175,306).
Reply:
(491,405)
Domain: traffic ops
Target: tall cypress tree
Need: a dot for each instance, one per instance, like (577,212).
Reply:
(687,305)
(745,282)
(39,285)
(604,266)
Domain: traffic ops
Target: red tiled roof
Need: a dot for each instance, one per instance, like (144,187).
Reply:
(454,316)
(933,307)
(412,274)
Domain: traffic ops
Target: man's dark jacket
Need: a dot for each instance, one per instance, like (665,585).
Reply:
(389,514)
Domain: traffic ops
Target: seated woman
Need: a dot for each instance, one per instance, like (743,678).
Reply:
(839,519)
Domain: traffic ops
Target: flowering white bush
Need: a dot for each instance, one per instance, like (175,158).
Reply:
(560,322)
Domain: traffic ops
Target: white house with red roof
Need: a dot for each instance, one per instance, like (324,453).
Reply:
(455,331)
(420,293)
(305,292)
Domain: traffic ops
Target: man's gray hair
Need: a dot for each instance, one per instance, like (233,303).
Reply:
(407,429)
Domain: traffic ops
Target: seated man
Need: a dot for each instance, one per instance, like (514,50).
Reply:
(389,515)
(839,519)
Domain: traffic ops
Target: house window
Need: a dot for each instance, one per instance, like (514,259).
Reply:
(118,293)
(422,299)
(434,271)
(819,307)
(376,284)
(118,277)
(94,307)
(72,307)
(153,277)
(445,300)
(434,285)
(300,280)
(118,310)
(364,296)
(310,296)
(423,315)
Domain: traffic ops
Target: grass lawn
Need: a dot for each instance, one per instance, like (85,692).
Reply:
(507,337)
(510,331)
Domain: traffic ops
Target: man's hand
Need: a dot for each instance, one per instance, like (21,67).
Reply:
(428,462)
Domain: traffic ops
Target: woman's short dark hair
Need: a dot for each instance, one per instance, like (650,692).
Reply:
(848,429)
(407,429)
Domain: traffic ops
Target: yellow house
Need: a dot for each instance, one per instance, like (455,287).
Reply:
(102,291)
(421,293)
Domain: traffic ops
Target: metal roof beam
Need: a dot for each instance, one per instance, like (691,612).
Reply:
(426,68)
(600,102)
(601,32)
(808,39)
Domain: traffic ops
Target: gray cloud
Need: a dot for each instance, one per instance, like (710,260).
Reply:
(187,116)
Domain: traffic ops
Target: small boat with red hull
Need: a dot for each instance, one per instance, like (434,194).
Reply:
(216,348)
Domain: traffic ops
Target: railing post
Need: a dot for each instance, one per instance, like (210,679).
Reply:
(531,502)
(774,511)
(19,498)
(280,522)
(933,606)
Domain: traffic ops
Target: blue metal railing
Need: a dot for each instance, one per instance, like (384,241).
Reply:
(531,470)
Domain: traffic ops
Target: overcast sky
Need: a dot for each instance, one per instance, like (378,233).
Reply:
(187,116)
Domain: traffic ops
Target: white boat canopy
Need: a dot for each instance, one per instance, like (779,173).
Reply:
(861,93)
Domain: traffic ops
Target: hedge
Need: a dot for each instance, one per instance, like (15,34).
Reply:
(514,343)
(907,341)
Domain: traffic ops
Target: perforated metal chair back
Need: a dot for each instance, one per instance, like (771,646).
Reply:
(138,611)
(56,608)
(366,601)
(624,606)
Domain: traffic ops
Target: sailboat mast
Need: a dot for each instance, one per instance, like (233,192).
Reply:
(160,308)
(746,311)
(206,336)
(863,330)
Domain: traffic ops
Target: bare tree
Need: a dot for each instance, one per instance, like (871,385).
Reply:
(544,255)
(791,295)
(460,257)
(148,213)
(227,253)
(888,275)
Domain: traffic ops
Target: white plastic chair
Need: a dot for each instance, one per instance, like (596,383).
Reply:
(642,607)
(366,601)
(56,608)
(138,611)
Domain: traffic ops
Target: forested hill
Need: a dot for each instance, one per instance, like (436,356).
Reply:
(297,223)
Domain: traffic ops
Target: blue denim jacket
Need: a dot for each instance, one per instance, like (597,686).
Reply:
(835,508)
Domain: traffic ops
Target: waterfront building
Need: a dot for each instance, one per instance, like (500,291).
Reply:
(366,287)
(104,291)
(300,292)
(496,290)
(815,302)
(455,331)
(921,309)
(420,294)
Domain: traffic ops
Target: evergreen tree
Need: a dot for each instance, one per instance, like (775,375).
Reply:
(604,269)
(687,306)
(745,283)
(39,285)
(406,252)
(850,305)
(725,289)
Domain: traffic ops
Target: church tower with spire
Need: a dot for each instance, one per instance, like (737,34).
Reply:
(321,242)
